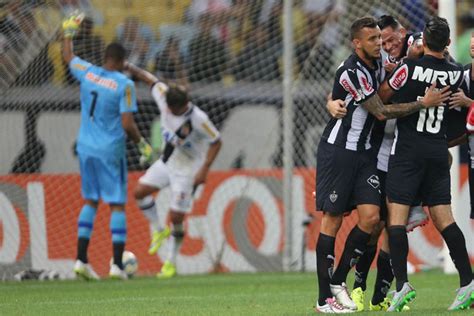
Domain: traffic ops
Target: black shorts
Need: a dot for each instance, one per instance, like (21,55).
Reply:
(345,179)
(419,174)
(383,196)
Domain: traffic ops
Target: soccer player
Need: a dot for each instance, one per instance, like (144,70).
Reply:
(191,145)
(398,42)
(107,105)
(346,167)
(419,162)
(465,98)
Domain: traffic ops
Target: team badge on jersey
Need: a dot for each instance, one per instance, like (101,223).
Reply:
(333,197)
(184,131)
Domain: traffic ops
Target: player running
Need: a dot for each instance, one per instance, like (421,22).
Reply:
(191,145)
(107,105)
(419,162)
(346,167)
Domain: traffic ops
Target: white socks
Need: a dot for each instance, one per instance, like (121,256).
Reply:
(148,207)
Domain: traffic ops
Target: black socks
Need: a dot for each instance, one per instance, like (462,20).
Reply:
(324,265)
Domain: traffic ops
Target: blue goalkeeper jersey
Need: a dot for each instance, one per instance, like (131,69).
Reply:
(105,95)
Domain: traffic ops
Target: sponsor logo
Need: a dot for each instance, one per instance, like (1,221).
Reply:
(104,82)
(374,182)
(333,196)
(429,75)
(399,78)
(461,297)
(349,88)
(366,85)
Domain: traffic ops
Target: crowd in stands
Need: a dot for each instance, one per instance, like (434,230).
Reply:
(189,40)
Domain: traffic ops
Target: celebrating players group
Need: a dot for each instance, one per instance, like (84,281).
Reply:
(396,105)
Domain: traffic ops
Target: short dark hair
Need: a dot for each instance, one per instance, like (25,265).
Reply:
(115,52)
(388,21)
(436,34)
(177,96)
(360,23)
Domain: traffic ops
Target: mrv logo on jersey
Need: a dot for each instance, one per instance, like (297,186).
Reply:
(429,75)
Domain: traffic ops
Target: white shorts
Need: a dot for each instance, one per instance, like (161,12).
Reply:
(159,175)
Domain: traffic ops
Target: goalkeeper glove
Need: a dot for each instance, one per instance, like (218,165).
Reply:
(71,24)
(146,152)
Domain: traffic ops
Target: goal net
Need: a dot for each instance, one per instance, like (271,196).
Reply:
(230,54)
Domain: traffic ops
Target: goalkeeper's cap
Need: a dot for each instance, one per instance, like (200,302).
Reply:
(115,52)
(177,96)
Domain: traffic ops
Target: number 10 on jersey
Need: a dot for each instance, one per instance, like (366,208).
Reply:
(430,119)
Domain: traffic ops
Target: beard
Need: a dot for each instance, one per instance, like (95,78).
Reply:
(369,56)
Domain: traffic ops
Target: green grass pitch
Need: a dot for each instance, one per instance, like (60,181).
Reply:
(221,294)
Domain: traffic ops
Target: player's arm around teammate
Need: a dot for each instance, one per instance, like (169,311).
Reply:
(375,104)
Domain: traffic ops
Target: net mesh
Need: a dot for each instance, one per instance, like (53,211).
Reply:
(230,55)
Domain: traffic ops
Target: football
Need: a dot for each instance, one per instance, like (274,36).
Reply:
(130,263)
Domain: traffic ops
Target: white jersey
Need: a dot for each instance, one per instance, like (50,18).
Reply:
(188,135)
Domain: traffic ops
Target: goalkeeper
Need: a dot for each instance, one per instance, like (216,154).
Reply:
(107,104)
(191,143)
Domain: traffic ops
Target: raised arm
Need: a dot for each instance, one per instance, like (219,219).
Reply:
(433,97)
(68,53)
(70,27)
(141,74)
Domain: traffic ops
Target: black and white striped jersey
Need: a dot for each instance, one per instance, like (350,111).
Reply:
(354,83)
